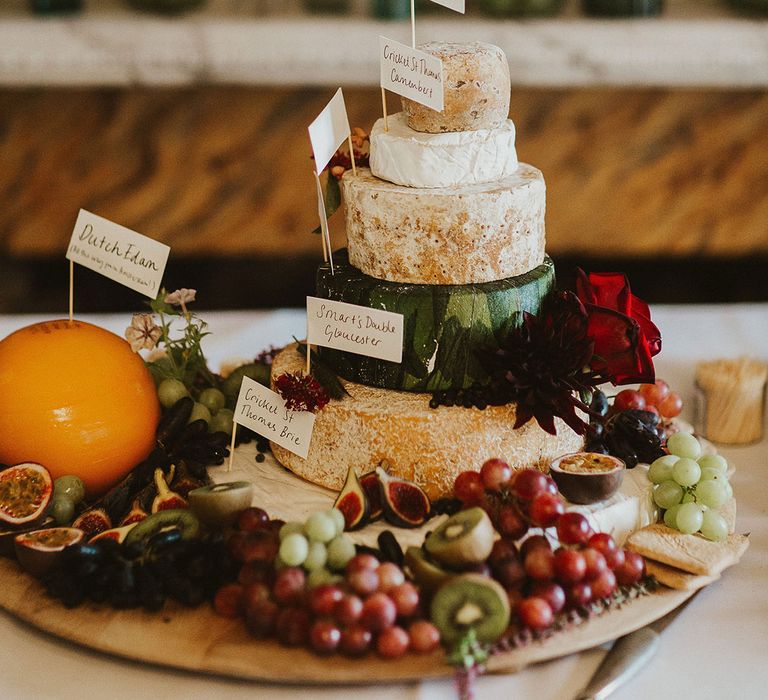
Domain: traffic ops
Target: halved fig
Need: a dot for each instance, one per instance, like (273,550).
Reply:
(405,504)
(25,493)
(352,502)
(39,551)
(372,488)
(117,534)
(93,521)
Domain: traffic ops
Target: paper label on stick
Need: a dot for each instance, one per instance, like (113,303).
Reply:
(456,5)
(329,130)
(411,73)
(117,252)
(353,328)
(264,411)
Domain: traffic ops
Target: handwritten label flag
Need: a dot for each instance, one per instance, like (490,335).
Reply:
(357,329)
(411,73)
(264,411)
(117,252)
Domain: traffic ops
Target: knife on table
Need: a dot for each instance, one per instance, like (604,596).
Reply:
(627,656)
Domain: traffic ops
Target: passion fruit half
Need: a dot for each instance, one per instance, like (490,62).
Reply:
(39,551)
(25,494)
(587,477)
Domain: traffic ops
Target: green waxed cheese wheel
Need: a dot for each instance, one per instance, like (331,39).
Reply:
(444,325)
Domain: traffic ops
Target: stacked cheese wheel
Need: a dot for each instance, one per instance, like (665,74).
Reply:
(447,229)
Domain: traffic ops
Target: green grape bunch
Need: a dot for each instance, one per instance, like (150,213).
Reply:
(691,487)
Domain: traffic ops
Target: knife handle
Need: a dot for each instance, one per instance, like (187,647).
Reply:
(627,656)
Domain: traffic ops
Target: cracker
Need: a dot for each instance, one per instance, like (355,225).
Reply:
(691,553)
(671,577)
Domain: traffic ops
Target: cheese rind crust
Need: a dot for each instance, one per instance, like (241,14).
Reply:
(476,89)
(450,235)
(428,446)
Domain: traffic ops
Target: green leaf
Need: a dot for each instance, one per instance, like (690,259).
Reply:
(332,195)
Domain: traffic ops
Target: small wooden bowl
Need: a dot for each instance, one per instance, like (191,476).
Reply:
(587,477)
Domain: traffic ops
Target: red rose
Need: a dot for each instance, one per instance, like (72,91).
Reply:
(620,325)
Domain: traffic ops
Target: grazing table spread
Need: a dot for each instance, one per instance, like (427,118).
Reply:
(716,648)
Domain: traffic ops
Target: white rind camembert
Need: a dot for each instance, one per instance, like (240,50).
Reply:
(415,159)
(466,234)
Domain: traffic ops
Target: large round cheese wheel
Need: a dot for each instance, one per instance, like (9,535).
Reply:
(415,159)
(429,446)
(447,235)
(476,89)
(444,325)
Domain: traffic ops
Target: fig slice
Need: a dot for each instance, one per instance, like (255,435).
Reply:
(93,521)
(405,504)
(39,551)
(25,493)
(352,502)
(118,534)
(166,499)
(372,487)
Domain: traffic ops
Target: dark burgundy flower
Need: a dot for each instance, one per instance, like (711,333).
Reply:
(301,392)
(544,366)
(620,325)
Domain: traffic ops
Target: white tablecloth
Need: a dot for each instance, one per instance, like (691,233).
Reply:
(718,648)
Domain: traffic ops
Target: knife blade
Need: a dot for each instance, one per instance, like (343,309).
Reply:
(627,656)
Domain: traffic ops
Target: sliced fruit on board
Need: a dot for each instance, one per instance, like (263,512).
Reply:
(25,493)
(352,502)
(466,538)
(470,601)
(405,504)
(40,551)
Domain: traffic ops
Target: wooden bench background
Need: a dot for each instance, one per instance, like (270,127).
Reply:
(223,173)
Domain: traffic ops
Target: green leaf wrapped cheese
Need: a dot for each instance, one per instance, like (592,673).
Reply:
(443,324)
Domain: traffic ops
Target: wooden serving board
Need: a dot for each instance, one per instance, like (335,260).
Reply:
(198,640)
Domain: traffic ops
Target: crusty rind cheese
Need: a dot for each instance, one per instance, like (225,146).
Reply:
(449,235)
(415,159)
(427,446)
(476,89)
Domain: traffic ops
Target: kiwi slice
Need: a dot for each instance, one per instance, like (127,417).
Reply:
(470,601)
(179,519)
(427,574)
(218,505)
(463,540)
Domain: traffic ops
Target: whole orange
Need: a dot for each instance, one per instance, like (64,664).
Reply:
(75,398)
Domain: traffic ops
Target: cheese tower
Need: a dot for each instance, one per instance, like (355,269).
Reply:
(447,229)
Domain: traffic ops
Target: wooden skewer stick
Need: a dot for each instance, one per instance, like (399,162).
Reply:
(71,291)
(413,23)
(309,355)
(232,446)
(384,108)
(352,154)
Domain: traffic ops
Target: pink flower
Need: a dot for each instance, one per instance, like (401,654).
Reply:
(143,333)
(181,297)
